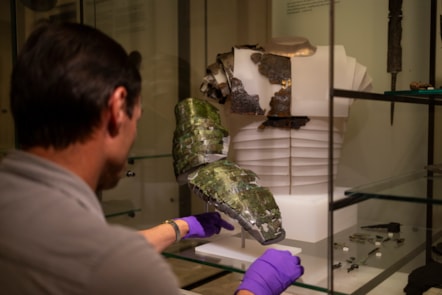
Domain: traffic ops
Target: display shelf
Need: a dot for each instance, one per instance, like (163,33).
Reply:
(411,187)
(141,156)
(113,208)
(380,257)
(418,92)
(418,191)
(415,97)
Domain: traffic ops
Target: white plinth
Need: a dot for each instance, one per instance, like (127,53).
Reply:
(231,247)
(304,217)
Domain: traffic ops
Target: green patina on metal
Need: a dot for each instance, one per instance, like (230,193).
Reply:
(200,147)
(199,137)
(236,192)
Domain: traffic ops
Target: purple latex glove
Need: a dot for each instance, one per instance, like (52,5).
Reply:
(272,273)
(205,225)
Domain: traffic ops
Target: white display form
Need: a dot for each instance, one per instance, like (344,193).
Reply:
(287,161)
(231,247)
(304,217)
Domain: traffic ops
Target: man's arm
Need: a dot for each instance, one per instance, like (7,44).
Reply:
(197,226)
(164,235)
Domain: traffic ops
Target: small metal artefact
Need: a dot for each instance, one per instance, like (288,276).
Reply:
(341,246)
(392,227)
(351,260)
(364,261)
(353,267)
(285,123)
(399,242)
(130,173)
(417,85)
(359,238)
(394,53)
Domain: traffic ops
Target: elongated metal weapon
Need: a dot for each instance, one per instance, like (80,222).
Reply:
(394,54)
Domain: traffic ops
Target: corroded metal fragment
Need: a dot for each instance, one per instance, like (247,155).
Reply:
(227,61)
(215,84)
(285,123)
(276,68)
(221,83)
(280,103)
(200,146)
(244,103)
(199,137)
(237,192)
(273,62)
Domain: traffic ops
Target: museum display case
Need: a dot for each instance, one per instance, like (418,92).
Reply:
(362,217)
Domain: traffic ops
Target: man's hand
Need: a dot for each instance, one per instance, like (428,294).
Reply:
(205,225)
(272,273)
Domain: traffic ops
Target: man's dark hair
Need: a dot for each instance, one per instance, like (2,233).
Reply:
(61,83)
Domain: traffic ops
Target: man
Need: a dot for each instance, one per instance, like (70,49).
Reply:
(75,99)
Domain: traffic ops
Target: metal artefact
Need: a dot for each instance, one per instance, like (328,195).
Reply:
(200,147)
(273,63)
(236,192)
(392,227)
(394,54)
(199,137)
(369,254)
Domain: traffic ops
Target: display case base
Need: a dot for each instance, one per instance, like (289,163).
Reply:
(304,216)
(231,247)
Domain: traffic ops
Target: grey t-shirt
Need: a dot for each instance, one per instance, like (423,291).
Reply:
(55,240)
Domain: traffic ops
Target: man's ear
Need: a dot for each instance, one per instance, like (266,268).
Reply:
(117,110)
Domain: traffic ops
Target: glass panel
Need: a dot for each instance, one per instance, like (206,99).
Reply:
(376,148)
(14,31)
(150,28)
(413,187)
(383,250)
(385,149)
(28,13)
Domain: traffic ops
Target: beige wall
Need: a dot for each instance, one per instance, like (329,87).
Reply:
(6,126)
